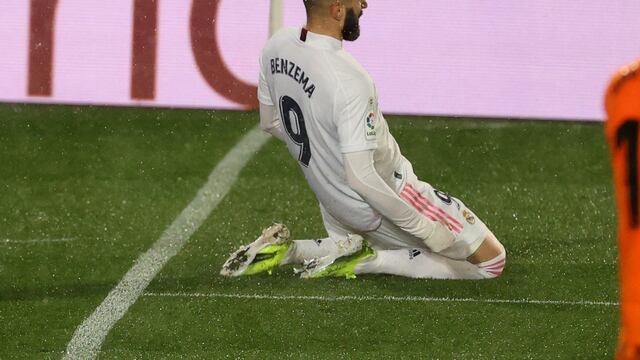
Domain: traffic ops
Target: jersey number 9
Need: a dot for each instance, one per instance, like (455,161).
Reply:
(289,107)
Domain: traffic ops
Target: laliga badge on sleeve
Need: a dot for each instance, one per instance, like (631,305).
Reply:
(370,120)
(371,126)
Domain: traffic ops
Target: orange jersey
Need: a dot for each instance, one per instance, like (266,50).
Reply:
(622,130)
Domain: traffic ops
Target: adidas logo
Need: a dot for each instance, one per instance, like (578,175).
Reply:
(413,253)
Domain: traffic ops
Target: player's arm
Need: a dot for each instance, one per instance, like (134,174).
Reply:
(355,113)
(363,179)
(269,121)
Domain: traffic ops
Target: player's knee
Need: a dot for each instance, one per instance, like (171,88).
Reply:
(493,268)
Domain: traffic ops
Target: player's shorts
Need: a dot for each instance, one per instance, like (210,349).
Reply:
(436,205)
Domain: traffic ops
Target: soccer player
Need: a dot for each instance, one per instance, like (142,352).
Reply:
(379,217)
(622,104)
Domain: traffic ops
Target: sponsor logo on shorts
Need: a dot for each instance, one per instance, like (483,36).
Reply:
(469,217)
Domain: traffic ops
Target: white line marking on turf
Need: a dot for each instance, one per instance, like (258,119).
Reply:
(387,298)
(88,337)
(470,126)
(35,241)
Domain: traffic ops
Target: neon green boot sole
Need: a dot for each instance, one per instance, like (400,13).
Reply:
(341,267)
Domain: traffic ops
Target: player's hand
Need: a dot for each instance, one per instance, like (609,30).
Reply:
(441,238)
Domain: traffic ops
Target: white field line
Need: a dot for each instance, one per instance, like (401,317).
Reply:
(471,126)
(36,241)
(385,298)
(89,336)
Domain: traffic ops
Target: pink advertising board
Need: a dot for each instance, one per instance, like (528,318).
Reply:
(544,59)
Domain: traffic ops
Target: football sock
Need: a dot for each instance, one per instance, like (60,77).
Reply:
(301,250)
(494,267)
(419,263)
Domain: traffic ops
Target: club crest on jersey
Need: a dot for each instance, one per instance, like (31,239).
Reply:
(469,217)
(371,125)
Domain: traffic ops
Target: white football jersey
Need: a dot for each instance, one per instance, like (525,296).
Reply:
(328,106)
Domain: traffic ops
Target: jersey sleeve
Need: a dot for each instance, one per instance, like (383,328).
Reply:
(264,95)
(356,116)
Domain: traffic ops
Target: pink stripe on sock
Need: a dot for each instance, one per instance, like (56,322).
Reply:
(499,264)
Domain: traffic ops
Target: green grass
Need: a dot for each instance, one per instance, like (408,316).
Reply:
(114,179)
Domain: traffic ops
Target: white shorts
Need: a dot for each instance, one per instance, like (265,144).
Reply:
(436,205)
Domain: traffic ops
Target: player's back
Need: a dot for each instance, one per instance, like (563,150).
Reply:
(622,129)
(310,80)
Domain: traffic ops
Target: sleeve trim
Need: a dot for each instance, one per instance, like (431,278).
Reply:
(358,147)
(265,100)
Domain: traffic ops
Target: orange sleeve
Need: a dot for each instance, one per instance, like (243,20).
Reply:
(622,129)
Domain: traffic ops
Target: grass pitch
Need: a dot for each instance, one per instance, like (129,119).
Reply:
(107,182)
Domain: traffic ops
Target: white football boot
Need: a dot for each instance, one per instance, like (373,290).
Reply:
(264,254)
(351,251)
